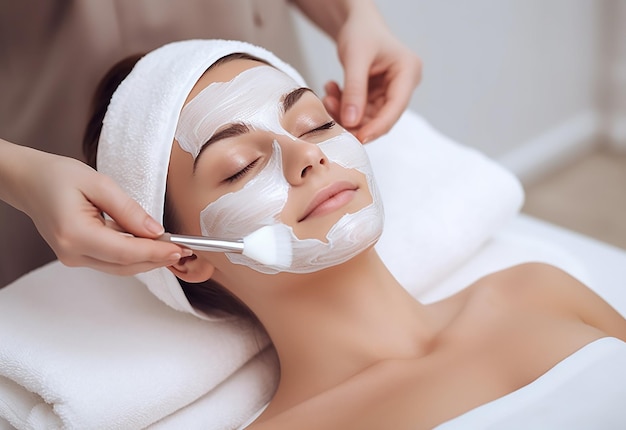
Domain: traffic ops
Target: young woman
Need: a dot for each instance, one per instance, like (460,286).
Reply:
(224,144)
(47,77)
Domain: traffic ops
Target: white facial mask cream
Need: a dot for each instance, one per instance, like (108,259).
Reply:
(254,98)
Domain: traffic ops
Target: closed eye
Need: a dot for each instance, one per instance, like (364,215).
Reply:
(240,174)
(327,126)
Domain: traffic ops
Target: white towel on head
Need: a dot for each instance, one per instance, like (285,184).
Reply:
(139,126)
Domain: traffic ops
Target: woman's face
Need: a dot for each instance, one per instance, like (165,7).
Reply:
(252,148)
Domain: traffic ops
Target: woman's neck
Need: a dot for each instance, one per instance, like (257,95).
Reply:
(341,322)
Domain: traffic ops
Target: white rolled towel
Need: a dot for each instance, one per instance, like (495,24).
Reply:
(80,349)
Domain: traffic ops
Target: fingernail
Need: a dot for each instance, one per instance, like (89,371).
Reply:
(349,115)
(187,252)
(153,226)
(366,140)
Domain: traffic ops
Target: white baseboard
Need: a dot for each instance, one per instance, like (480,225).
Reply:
(555,148)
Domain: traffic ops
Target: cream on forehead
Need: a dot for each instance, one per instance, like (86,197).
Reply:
(254,97)
(237,214)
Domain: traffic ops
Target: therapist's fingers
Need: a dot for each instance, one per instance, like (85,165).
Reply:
(388,95)
(387,101)
(80,236)
(65,199)
(380,73)
(95,243)
(332,103)
(356,64)
(122,254)
(107,196)
(107,245)
(332,100)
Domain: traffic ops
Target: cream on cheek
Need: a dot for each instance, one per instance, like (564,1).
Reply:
(261,201)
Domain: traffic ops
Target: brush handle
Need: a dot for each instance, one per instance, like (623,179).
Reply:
(201,243)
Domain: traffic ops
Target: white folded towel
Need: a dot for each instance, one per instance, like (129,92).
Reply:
(586,390)
(233,402)
(81,349)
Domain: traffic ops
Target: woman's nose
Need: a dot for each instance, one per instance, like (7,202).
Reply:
(301,159)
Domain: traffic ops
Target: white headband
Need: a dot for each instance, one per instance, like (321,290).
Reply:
(139,126)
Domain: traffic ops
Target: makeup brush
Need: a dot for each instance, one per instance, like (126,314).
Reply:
(269,245)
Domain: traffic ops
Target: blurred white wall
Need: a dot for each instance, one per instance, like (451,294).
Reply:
(614,94)
(521,80)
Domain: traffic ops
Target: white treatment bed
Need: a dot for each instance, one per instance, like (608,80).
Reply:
(82,349)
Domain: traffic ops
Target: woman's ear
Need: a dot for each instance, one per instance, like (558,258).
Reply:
(192,269)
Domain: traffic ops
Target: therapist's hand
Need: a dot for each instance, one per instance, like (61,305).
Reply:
(65,197)
(380,75)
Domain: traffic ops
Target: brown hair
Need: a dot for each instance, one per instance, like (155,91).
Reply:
(208,296)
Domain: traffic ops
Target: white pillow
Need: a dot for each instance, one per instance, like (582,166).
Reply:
(442,201)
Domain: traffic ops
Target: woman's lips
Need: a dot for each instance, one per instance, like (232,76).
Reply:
(329,199)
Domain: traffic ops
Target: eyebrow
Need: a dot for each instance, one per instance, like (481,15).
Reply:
(233,130)
(291,98)
(238,129)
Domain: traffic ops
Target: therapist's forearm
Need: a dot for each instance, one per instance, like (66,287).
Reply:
(330,15)
(13,167)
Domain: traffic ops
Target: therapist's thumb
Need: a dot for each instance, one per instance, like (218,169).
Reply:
(356,72)
(126,212)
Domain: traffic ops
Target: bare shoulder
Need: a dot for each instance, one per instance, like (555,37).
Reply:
(533,284)
(546,287)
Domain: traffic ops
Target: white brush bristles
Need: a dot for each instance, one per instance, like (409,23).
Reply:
(269,245)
